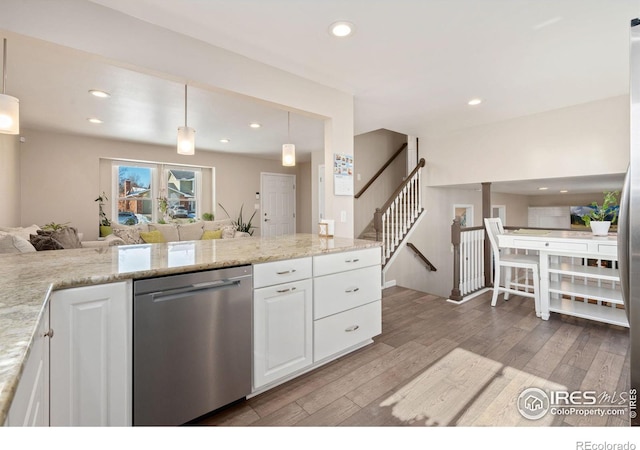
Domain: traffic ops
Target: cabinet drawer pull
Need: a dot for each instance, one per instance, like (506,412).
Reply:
(352,260)
(49,333)
(356,289)
(285,290)
(352,328)
(286,272)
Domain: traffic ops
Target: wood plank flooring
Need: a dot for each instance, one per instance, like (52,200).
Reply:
(441,364)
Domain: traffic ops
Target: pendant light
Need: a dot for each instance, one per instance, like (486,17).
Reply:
(9,106)
(186,135)
(288,150)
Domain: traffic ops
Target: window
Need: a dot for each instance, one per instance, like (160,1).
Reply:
(139,188)
(181,191)
(135,195)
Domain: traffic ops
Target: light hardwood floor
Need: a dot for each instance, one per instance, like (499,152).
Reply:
(441,364)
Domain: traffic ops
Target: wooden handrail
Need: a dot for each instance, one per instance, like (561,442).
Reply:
(430,266)
(379,172)
(406,181)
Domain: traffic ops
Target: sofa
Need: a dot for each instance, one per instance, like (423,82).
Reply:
(173,232)
(34,238)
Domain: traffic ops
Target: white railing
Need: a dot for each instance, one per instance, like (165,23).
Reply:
(471,260)
(396,217)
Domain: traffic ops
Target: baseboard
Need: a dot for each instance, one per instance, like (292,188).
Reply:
(471,296)
(388,284)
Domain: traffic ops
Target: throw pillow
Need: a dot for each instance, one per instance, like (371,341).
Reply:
(190,231)
(129,235)
(214,225)
(228,232)
(15,244)
(67,236)
(153,237)
(24,233)
(209,234)
(44,242)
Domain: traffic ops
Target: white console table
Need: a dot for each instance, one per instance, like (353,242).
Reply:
(568,286)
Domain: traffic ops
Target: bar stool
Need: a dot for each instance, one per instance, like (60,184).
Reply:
(511,261)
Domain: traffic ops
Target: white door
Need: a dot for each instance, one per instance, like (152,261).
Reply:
(282,330)
(278,204)
(90,358)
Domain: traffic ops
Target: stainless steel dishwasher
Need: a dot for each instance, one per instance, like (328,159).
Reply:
(191,344)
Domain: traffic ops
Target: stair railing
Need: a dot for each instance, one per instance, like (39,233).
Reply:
(395,217)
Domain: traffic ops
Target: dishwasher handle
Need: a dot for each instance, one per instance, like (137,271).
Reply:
(172,294)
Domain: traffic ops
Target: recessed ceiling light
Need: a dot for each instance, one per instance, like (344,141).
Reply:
(543,188)
(94,120)
(341,29)
(101,94)
(474,101)
(255,125)
(225,141)
(564,191)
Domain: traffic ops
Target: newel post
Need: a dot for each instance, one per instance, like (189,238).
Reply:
(455,241)
(377,223)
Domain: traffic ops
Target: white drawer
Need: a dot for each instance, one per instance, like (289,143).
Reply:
(341,291)
(339,262)
(608,249)
(341,331)
(551,245)
(276,272)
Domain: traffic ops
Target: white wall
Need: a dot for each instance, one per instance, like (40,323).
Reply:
(372,150)
(587,139)
(61,176)
(9,180)
(139,45)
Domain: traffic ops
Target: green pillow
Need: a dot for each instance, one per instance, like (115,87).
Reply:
(211,235)
(152,237)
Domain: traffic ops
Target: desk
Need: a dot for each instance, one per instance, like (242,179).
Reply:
(567,285)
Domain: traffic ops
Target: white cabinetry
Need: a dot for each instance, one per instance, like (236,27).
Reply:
(91,355)
(282,319)
(30,406)
(347,300)
(550,216)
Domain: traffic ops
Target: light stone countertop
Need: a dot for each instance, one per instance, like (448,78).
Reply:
(27,279)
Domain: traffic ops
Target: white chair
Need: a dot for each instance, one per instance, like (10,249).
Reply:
(502,258)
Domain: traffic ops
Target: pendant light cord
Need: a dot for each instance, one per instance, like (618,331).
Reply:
(185,105)
(289,127)
(4,66)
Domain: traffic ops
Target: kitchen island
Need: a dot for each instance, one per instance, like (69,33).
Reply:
(578,273)
(27,280)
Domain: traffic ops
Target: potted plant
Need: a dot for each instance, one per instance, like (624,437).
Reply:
(601,216)
(163,207)
(239,223)
(105,223)
(207,216)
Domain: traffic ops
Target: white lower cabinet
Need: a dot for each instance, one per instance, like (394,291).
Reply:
(30,406)
(336,333)
(282,331)
(91,355)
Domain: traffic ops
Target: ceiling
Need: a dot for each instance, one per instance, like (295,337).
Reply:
(143,107)
(411,66)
